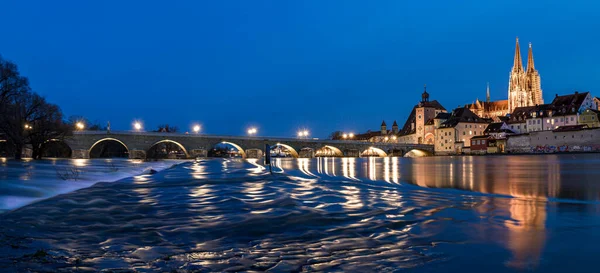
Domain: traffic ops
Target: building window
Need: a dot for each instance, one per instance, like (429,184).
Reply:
(483,141)
(539,121)
(561,120)
(470,132)
(464,133)
(573,118)
(419,116)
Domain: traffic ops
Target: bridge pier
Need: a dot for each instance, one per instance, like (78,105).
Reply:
(198,153)
(254,153)
(306,153)
(80,154)
(137,154)
(352,153)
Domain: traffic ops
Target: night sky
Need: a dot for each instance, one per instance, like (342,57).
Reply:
(287,65)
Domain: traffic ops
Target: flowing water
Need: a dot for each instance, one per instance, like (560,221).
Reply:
(441,214)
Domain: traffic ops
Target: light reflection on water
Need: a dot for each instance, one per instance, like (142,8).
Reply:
(445,214)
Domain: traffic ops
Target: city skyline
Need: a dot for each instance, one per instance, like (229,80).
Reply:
(347,71)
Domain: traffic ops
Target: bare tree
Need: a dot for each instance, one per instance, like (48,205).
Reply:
(26,117)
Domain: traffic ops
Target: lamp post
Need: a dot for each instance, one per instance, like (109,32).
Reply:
(137,126)
(80,126)
(252,131)
(196,129)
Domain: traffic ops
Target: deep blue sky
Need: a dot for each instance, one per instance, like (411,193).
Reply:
(285,65)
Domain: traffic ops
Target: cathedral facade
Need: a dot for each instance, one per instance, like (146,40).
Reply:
(524,85)
(524,89)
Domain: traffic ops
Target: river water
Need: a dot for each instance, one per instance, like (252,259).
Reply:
(538,213)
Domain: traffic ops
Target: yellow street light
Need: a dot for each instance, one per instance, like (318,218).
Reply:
(345,135)
(252,131)
(137,125)
(196,128)
(79,125)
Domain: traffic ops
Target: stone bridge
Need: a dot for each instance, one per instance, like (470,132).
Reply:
(197,145)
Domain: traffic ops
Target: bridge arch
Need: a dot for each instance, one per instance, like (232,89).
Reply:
(372,151)
(107,139)
(328,150)
(418,153)
(290,149)
(187,155)
(238,147)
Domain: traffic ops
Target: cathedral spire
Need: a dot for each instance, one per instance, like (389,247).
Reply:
(530,66)
(518,63)
(487,96)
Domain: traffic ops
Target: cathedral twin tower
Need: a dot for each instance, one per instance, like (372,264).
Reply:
(524,86)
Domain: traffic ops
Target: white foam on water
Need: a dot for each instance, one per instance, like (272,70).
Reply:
(28,181)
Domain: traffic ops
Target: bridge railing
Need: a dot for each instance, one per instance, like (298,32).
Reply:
(274,139)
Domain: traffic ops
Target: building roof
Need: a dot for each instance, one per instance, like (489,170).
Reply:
(462,114)
(493,127)
(431,104)
(499,105)
(568,128)
(443,115)
(383,123)
(593,111)
(571,99)
(481,137)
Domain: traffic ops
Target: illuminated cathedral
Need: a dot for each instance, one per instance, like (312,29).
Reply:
(524,89)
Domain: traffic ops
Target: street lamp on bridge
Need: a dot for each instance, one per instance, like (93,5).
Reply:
(137,125)
(80,126)
(303,133)
(196,128)
(252,131)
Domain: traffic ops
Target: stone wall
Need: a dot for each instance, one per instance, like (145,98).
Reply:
(518,144)
(587,140)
